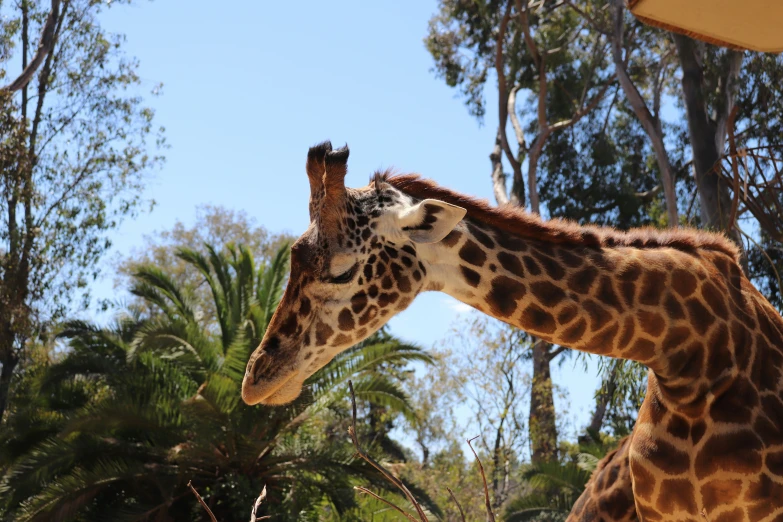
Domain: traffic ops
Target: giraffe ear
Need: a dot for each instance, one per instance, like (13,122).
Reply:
(430,220)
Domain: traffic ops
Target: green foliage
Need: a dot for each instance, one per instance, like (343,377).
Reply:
(766,269)
(135,410)
(87,136)
(552,488)
(214,225)
(78,144)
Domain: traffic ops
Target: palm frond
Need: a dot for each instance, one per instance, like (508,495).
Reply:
(269,285)
(64,496)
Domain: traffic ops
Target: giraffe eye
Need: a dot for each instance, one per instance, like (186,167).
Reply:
(345,277)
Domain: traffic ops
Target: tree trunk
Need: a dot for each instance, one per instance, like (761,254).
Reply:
(714,199)
(497,496)
(7,372)
(498,176)
(543,430)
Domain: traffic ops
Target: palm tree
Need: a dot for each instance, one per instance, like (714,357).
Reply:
(154,403)
(553,487)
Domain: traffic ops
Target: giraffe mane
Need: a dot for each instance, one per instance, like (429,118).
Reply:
(526,225)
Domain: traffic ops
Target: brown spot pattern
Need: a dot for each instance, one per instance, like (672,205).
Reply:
(472,253)
(511,263)
(504,295)
(471,276)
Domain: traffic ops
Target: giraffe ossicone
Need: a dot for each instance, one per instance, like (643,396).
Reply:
(709,436)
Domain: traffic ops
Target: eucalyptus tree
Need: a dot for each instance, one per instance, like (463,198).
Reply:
(544,54)
(632,122)
(77,144)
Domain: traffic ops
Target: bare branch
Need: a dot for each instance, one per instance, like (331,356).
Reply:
(503,96)
(529,41)
(201,501)
(759,195)
(44,48)
(378,497)
(660,77)
(764,252)
(726,93)
(498,176)
(256,505)
(462,513)
(598,50)
(609,110)
(512,114)
(648,195)
(532,48)
(543,127)
(557,352)
(391,478)
(490,515)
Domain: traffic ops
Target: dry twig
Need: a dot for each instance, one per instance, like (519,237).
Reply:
(762,183)
(462,513)
(388,503)
(201,501)
(391,478)
(256,505)
(398,483)
(483,478)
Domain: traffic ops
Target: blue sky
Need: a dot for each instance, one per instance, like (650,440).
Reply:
(249,86)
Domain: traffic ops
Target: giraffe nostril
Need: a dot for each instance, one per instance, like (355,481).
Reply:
(264,360)
(272,346)
(255,368)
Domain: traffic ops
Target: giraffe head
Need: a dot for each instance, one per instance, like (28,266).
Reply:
(351,271)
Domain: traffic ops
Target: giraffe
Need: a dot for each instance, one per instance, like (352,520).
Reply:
(608,495)
(708,443)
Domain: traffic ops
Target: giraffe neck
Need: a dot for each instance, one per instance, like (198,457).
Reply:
(658,306)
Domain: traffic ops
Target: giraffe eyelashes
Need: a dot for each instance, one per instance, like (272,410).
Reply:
(345,277)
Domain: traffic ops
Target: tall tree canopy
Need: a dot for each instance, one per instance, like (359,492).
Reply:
(77,144)
(615,122)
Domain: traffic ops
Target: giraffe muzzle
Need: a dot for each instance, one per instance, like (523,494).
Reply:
(268,383)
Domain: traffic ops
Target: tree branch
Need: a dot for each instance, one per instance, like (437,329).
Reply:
(512,113)
(648,195)
(490,515)
(44,48)
(648,122)
(600,28)
(43,79)
(256,505)
(735,170)
(503,96)
(462,513)
(390,504)
(543,128)
(555,353)
(203,504)
(726,92)
(582,112)
(660,77)
(498,176)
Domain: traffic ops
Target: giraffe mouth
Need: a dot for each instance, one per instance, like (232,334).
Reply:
(271,392)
